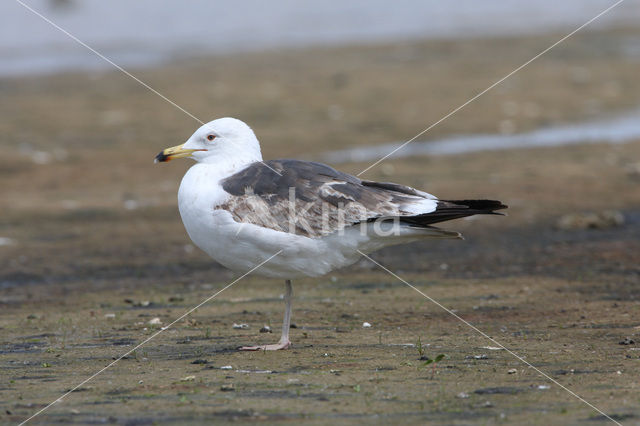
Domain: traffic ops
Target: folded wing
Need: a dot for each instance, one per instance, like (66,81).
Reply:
(315,200)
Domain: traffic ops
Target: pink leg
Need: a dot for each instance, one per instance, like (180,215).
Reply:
(284,342)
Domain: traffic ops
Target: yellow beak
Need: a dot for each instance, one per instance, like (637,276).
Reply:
(174,152)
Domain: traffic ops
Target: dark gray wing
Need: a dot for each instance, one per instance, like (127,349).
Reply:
(313,199)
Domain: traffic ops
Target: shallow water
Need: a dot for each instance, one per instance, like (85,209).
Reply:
(147,32)
(621,129)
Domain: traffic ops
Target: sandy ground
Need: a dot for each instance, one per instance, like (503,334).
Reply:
(97,250)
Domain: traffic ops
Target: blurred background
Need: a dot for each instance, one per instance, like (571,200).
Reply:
(331,82)
(84,207)
(146,32)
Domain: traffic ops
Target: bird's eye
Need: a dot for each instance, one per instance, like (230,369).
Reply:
(211,137)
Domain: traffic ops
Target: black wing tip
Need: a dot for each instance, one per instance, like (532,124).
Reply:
(497,213)
(489,205)
(456,209)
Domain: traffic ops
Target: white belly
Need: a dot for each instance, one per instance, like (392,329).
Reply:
(242,247)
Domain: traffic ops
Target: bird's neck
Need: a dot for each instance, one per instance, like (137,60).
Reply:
(229,160)
(199,190)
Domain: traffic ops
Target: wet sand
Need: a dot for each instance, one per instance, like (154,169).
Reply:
(97,249)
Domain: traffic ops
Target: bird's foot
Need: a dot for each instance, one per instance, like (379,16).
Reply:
(276,347)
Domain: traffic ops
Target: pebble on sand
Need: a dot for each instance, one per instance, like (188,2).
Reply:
(633,170)
(481,356)
(240,326)
(366,325)
(155,321)
(4,241)
(601,220)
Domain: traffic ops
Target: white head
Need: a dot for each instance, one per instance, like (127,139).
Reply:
(227,140)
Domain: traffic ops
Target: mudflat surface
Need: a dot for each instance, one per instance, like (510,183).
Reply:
(97,259)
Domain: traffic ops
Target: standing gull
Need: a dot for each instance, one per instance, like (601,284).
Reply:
(242,210)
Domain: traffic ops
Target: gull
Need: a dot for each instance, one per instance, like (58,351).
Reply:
(242,210)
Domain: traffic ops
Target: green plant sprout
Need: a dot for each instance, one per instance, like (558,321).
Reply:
(433,363)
